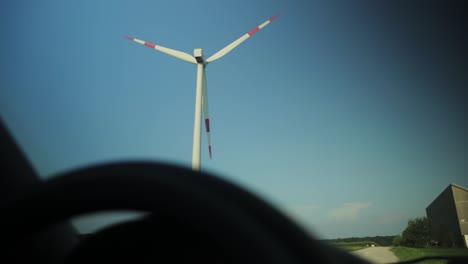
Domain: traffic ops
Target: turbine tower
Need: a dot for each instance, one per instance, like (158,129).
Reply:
(201,95)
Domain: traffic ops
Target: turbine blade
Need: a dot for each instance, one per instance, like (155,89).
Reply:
(205,111)
(238,41)
(174,53)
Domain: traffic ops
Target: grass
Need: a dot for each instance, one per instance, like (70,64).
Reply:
(405,253)
(352,246)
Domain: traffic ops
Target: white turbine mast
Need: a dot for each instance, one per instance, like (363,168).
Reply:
(201,95)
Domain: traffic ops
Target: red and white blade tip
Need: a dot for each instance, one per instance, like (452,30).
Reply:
(256,29)
(130,38)
(274,17)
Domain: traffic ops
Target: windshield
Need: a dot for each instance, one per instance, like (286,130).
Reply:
(348,116)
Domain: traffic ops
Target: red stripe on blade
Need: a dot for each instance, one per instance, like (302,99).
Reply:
(274,17)
(149,44)
(130,38)
(253,31)
(207,125)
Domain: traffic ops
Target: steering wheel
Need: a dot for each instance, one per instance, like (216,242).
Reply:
(191,216)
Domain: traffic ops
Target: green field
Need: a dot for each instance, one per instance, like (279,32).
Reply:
(351,246)
(405,253)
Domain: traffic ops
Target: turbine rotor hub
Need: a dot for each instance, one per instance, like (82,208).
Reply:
(198,54)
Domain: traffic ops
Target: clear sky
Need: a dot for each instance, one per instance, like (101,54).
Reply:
(349,116)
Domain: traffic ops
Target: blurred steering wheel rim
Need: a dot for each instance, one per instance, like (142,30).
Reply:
(266,234)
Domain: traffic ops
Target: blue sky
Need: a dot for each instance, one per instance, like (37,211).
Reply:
(350,117)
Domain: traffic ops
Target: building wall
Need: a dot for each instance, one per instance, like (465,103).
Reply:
(442,216)
(461,205)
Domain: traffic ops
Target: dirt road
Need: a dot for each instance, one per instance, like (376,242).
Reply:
(376,255)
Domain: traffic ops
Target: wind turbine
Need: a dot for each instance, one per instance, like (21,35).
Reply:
(201,95)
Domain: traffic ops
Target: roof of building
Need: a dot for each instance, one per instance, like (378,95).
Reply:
(449,186)
(458,186)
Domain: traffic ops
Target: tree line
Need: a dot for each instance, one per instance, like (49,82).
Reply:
(379,240)
(420,232)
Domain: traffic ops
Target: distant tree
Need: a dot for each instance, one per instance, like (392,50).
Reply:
(397,240)
(416,233)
